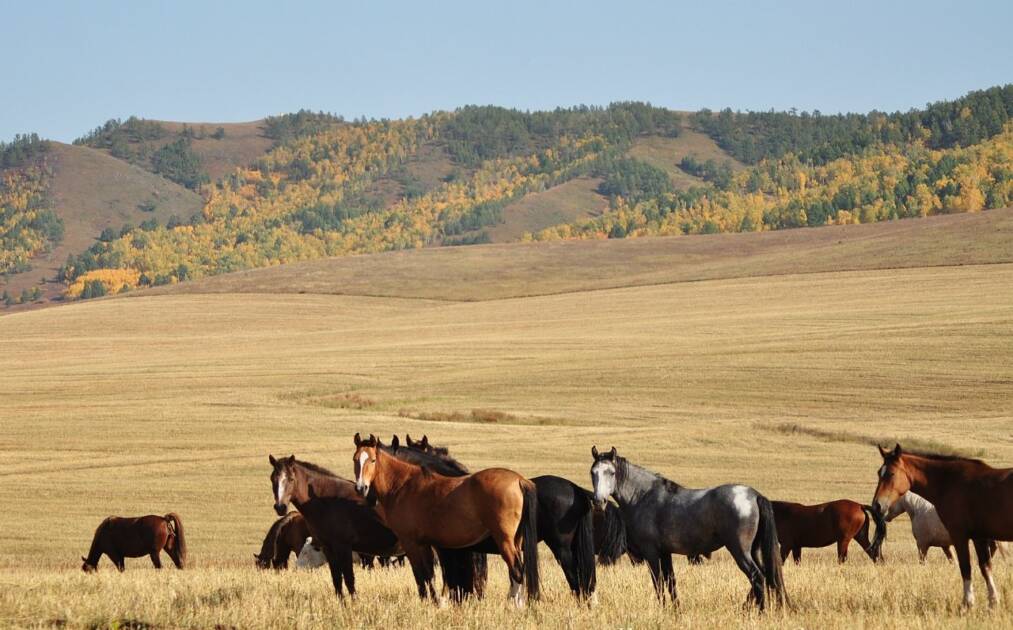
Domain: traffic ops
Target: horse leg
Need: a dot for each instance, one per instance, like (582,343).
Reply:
(565,559)
(348,570)
(654,564)
(155,559)
(949,554)
(335,564)
(842,549)
(421,559)
(796,555)
(744,561)
(668,576)
(922,552)
(118,562)
(964,562)
(984,551)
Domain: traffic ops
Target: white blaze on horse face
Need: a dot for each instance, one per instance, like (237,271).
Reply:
(282,480)
(515,594)
(363,458)
(742,501)
(603,479)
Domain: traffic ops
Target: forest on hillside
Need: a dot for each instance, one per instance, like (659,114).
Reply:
(314,193)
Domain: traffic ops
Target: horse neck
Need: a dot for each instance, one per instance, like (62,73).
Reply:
(268,544)
(391,474)
(324,486)
(930,478)
(634,482)
(95,551)
(915,504)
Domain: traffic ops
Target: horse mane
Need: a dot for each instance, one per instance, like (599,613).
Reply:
(272,535)
(622,470)
(440,462)
(939,457)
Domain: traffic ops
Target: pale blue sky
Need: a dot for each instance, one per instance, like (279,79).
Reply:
(69,66)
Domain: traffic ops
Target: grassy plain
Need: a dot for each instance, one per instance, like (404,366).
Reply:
(172,402)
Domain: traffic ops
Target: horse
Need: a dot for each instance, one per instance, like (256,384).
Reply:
(610,535)
(565,515)
(133,537)
(974,501)
(339,520)
(927,529)
(427,509)
(663,518)
(286,535)
(825,524)
(310,556)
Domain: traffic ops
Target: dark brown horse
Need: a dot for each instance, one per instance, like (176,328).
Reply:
(339,519)
(825,524)
(286,536)
(134,537)
(974,501)
(426,509)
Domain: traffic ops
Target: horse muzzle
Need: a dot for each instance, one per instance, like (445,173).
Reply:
(599,504)
(281,509)
(362,488)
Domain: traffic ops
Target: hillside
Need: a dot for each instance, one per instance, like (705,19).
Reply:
(489,272)
(91,191)
(666,153)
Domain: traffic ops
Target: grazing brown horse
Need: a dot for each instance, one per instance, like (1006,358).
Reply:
(426,509)
(974,501)
(825,524)
(135,537)
(286,536)
(339,519)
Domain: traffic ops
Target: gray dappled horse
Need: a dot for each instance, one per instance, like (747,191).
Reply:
(663,518)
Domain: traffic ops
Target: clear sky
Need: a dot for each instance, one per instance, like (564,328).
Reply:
(67,67)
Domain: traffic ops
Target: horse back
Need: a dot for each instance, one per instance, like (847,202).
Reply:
(980,504)
(133,537)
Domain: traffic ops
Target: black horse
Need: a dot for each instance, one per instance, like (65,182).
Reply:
(663,518)
(567,521)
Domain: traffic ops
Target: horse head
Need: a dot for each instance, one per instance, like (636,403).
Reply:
(282,482)
(88,567)
(603,475)
(894,480)
(364,462)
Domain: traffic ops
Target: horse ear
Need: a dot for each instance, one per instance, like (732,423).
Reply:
(394,442)
(372,440)
(896,450)
(291,459)
(271,459)
(358,440)
(83,559)
(425,441)
(612,453)
(882,451)
(408,439)
(594,452)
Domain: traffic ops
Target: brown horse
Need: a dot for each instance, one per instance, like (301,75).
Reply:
(135,537)
(426,509)
(824,524)
(339,519)
(286,536)
(974,501)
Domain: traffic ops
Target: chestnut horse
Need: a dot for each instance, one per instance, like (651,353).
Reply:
(974,501)
(427,509)
(824,524)
(135,537)
(286,536)
(339,519)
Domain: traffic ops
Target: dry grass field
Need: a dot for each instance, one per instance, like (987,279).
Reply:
(666,153)
(172,401)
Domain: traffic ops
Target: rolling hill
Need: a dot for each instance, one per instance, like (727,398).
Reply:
(493,272)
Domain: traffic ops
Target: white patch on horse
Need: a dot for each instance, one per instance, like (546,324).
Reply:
(515,594)
(741,501)
(882,471)
(310,557)
(968,593)
(281,488)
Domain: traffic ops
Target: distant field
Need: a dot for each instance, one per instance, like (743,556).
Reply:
(513,270)
(666,153)
(574,200)
(173,401)
(242,145)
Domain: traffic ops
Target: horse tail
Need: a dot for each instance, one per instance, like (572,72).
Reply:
(582,549)
(875,548)
(176,529)
(528,529)
(479,573)
(613,536)
(770,550)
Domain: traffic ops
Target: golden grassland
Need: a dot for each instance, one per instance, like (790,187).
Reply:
(172,402)
(568,202)
(666,153)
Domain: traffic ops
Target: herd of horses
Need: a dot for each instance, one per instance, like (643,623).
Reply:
(416,501)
